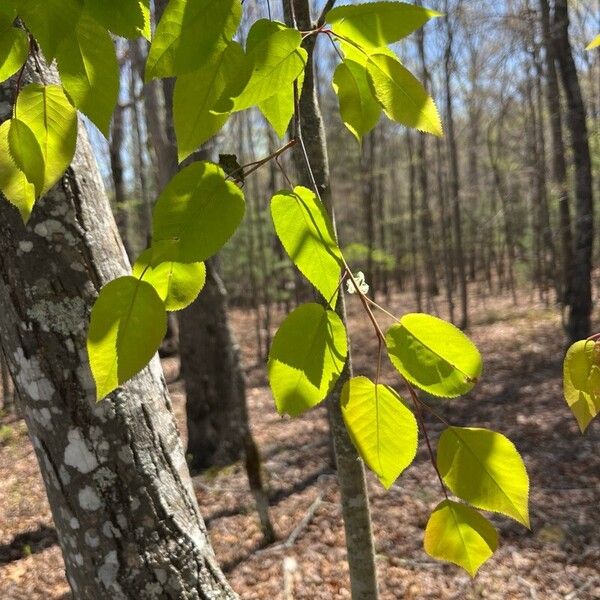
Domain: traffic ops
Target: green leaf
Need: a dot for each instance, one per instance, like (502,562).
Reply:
(127,325)
(177,284)
(189,32)
(382,428)
(378,24)
(485,469)
(434,355)
(458,534)
(14,48)
(197,94)
(402,97)
(50,21)
(27,154)
(13,183)
(360,111)
(305,230)
(277,58)
(53,121)
(595,43)
(306,359)
(581,381)
(89,71)
(197,212)
(279,109)
(128,19)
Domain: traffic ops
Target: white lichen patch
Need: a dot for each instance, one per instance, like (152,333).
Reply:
(109,569)
(91,539)
(66,317)
(31,379)
(50,228)
(74,523)
(89,499)
(43,418)
(25,246)
(77,454)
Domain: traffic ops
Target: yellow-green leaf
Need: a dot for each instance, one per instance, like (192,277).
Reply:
(197,212)
(197,94)
(127,325)
(434,355)
(581,381)
(595,43)
(378,24)
(382,428)
(26,153)
(89,71)
(177,284)
(359,109)
(305,230)
(458,534)
(306,358)
(401,95)
(126,18)
(53,121)
(50,21)
(188,33)
(13,183)
(279,109)
(485,469)
(277,59)
(14,48)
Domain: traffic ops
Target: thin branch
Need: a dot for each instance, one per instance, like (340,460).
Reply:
(328,6)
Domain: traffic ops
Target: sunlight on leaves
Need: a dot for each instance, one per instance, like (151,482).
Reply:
(458,534)
(306,358)
(382,428)
(127,325)
(485,469)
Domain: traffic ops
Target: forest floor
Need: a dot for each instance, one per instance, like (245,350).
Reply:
(519,395)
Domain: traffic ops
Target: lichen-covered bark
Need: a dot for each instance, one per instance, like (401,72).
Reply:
(350,470)
(115,472)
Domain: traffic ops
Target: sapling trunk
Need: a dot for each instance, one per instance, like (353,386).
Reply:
(351,474)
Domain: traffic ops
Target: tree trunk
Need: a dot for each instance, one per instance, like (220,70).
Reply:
(214,381)
(578,325)
(350,470)
(454,176)
(117,168)
(122,501)
(425,218)
(367,175)
(559,163)
(412,201)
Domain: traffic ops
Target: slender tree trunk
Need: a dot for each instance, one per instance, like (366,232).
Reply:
(445,230)
(412,201)
(350,470)
(367,175)
(578,325)
(116,164)
(121,498)
(559,163)
(425,218)
(455,176)
(507,216)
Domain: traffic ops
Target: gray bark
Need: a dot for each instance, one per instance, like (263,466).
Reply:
(580,309)
(350,470)
(115,472)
